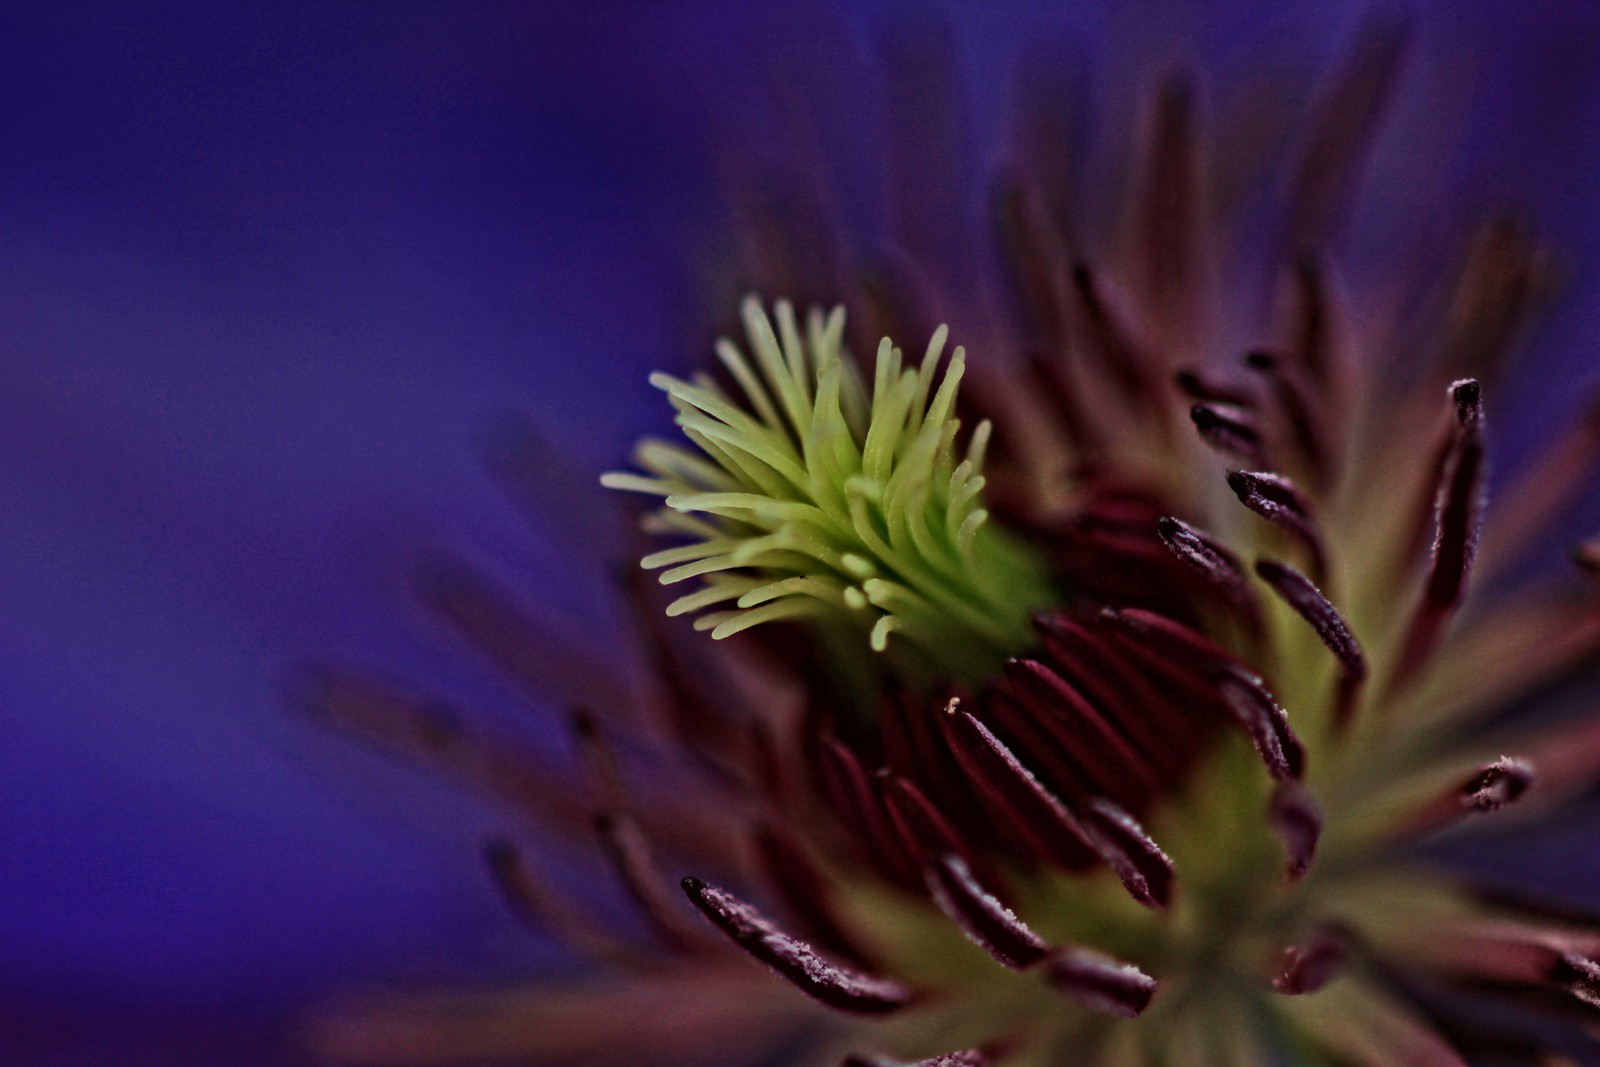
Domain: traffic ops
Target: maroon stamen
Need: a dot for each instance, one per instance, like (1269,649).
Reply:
(791,874)
(1253,706)
(1214,562)
(792,958)
(1197,385)
(1297,822)
(1279,501)
(1131,852)
(1488,789)
(1233,432)
(1500,783)
(1165,224)
(1346,119)
(965,1058)
(1308,967)
(1018,806)
(1097,746)
(1308,602)
(1100,982)
(631,857)
(999,774)
(982,917)
(545,911)
(1459,515)
(1110,337)
(858,804)
(1300,415)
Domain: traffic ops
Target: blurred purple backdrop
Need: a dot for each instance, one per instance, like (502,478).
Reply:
(264,270)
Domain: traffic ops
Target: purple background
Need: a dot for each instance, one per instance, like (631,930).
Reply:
(265,269)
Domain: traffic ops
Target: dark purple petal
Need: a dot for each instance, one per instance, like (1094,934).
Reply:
(793,959)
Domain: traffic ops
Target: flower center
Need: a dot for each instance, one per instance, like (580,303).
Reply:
(816,496)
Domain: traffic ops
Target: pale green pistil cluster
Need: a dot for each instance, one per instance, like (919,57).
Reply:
(812,497)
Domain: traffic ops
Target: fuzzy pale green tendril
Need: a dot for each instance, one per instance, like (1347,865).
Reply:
(818,498)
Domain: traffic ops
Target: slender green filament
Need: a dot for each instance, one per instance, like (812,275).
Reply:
(815,496)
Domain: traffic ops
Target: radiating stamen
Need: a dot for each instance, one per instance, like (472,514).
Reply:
(1308,602)
(1308,967)
(1300,415)
(1198,385)
(1458,515)
(631,857)
(792,958)
(1100,982)
(991,925)
(1215,562)
(791,874)
(1297,821)
(547,912)
(970,1057)
(1500,783)
(1233,432)
(1279,501)
(1486,790)
(1000,776)
(1247,697)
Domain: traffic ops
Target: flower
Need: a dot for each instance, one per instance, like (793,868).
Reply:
(1091,714)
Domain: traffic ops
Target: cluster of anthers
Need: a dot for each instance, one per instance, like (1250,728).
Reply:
(1104,732)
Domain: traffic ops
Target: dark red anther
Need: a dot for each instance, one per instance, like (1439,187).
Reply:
(1279,501)
(1578,975)
(853,797)
(1014,797)
(1137,860)
(1500,783)
(1488,789)
(970,1057)
(1308,967)
(631,857)
(1308,602)
(1199,386)
(1231,431)
(1458,514)
(1111,338)
(1256,710)
(1092,740)
(794,959)
(1214,562)
(999,775)
(1297,822)
(1100,982)
(982,917)
(791,873)
(1300,415)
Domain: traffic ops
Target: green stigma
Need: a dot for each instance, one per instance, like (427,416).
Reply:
(814,497)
